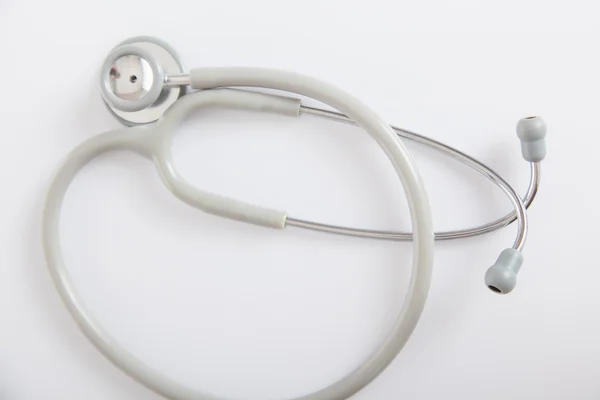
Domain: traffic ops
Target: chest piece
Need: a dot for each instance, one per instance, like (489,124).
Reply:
(132,80)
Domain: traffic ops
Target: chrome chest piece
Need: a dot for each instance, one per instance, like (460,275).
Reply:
(133,80)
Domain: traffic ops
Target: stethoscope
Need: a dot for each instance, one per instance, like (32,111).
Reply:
(144,84)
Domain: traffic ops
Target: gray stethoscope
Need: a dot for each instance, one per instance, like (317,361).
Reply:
(144,84)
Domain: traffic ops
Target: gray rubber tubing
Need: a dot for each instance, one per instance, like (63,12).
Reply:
(150,141)
(158,144)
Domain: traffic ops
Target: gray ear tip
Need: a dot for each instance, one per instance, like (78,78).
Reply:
(531,131)
(500,280)
(501,277)
(531,128)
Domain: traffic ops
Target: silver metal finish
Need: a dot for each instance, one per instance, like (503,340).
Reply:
(130,84)
(114,91)
(519,204)
(131,78)
(177,80)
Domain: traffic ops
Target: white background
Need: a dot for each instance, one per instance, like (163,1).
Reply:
(253,313)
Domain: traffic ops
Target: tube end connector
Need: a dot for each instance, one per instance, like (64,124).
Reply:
(501,277)
(532,133)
